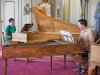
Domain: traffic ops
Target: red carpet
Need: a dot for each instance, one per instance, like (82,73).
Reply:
(39,67)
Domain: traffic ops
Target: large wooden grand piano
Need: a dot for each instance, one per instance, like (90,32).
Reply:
(43,42)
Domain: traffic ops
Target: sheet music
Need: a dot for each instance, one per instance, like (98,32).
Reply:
(20,37)
(67,36)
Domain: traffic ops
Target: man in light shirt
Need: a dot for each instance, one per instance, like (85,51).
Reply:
(85,39)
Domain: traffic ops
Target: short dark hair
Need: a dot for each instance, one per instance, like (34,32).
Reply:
(11,19)
(83,22)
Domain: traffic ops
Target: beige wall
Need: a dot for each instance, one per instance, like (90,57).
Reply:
(72,10)
(66,10)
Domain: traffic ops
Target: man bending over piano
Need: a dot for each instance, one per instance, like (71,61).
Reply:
(85,39)
(9,30)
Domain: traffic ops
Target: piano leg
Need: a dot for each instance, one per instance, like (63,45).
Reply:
(80,62)
(28,60)
(51,63)
(96,70)
(65,61)
(5,66)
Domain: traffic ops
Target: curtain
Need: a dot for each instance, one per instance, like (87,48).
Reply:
(97,18)
(75,11)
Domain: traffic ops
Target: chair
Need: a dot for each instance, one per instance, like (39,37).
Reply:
(98,41)
(94,58)
(3,39)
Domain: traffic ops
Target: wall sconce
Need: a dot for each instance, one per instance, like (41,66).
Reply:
(83,7)
(27,8)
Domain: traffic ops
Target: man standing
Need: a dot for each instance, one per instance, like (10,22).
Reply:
(85,39)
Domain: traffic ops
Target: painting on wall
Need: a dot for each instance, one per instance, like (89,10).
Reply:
(54,8)
(48,6)
(59,9)
(27,7)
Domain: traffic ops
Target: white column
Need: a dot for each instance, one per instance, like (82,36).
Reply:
(20,14)
(24,18)
(0,25)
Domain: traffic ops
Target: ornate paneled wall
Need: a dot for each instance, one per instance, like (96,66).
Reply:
(75,12)
(56,9)
(69,11)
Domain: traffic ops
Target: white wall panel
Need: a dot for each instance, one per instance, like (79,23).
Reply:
(9,11)
(0,24)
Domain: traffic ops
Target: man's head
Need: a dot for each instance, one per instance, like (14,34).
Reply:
(82,23)
(11,21)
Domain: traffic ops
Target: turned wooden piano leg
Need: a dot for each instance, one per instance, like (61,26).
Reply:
(65,61)
(5,66)
(28,60)
(80,62)
(90,70)
(51,63)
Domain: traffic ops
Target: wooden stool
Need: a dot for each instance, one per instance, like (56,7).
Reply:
(94,58)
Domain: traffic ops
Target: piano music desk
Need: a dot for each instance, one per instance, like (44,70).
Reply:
(37,49)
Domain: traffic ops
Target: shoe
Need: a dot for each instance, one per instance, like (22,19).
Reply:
(82,70)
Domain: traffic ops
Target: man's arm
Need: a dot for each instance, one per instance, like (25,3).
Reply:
(79,39)
(91,37)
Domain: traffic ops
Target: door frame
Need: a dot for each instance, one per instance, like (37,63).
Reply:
(16,13)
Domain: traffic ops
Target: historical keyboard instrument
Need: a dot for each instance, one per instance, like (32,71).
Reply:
(42,43)
(48,28)
(38,49)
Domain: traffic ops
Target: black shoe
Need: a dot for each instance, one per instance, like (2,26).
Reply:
(82,70)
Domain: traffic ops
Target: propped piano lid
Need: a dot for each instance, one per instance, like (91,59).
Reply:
(49,24)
